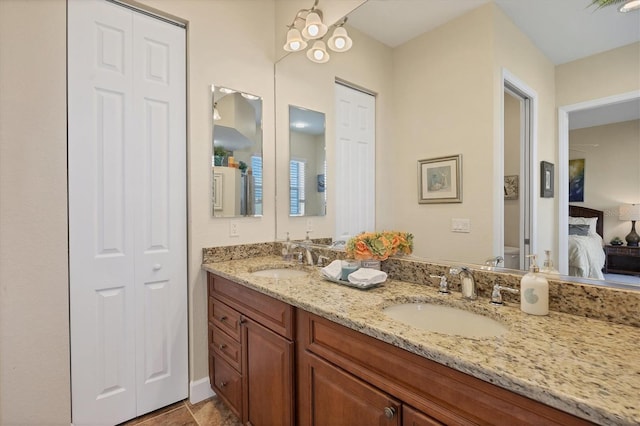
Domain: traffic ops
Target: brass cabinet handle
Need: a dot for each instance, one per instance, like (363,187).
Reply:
(389,412)
(223,318)
(222,346)
(222,384)
(243,320)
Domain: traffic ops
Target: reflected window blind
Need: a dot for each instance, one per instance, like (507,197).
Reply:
(256,168)
(296,188)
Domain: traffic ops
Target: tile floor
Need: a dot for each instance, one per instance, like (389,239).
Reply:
(210,412)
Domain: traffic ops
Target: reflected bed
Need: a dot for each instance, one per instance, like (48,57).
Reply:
(586,254)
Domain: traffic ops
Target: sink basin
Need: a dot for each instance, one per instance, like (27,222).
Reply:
(446,320)
(280,273)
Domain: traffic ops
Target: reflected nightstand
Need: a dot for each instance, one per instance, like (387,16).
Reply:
(622,260)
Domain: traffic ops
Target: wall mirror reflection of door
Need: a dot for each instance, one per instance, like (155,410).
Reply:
(355,161)
(236,163)
(518,153)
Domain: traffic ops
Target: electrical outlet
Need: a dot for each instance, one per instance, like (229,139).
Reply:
(233,229)
(460,225)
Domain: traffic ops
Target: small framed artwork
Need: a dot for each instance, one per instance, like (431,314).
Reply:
(546,179)
(321,183)
(440,180)
(576,180)
(511,186)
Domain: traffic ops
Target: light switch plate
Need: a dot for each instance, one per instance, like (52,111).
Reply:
(233,229)
(460,225)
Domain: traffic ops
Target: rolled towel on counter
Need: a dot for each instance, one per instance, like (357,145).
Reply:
(332,270)
(367,276)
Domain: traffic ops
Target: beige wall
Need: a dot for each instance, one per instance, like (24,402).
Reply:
(612,176)
(609,73)
(517,54)
(443,106)
(34,310)
(448,94)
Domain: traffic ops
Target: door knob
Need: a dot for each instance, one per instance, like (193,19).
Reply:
(157,267)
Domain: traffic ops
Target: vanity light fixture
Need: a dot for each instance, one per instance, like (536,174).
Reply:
(340,40)
(307,25)
(249,96)
(629,6)
(631,212)
(318,53)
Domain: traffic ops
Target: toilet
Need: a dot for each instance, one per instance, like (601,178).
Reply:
(511,257)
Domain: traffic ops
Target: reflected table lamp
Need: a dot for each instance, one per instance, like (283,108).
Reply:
(631,212)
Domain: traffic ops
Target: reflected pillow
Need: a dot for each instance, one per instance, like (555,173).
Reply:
(591,221)
(581,230)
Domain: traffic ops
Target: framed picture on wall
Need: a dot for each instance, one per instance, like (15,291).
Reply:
(511,186)
(440,180)
(546,179)
(576,180)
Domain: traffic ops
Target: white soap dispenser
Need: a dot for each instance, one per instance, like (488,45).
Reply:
(534,291)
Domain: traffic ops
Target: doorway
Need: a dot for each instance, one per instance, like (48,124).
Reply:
(517,202)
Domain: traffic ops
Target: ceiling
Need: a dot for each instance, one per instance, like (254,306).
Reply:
(564,30)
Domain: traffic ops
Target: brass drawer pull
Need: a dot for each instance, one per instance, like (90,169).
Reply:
(222,346)
(222,384)
(223,318)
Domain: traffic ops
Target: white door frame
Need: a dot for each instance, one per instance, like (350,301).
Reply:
(563,166)
(509,78)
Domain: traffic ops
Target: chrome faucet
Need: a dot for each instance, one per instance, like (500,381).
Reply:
(494,261)
(467,282)
(307,257)
(444,285)
(496,295)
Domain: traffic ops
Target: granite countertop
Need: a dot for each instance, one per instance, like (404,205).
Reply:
(586,367)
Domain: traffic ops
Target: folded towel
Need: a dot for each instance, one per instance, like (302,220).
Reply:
(332,270)
(367,276)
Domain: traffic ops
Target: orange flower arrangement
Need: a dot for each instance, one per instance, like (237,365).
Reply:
(379,245)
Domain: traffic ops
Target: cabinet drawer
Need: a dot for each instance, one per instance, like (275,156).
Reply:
(225,347)
(227,383)
(225,318)
(271,313)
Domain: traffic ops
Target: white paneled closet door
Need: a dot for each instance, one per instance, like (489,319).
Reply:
(355,161)
(127,212)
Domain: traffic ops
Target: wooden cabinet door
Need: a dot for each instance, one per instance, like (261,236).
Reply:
(413,417)
(268,376)
(329,396)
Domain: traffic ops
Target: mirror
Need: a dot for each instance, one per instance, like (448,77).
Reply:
(236,161)
(442,89)
(307,163)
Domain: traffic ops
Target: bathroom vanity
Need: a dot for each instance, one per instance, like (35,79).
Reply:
(330,356)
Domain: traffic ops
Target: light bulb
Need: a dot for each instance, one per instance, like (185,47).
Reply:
(318,54)
(294,45)
(340,42)
(313,30)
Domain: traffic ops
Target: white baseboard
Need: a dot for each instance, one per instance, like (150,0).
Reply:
(199,390)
